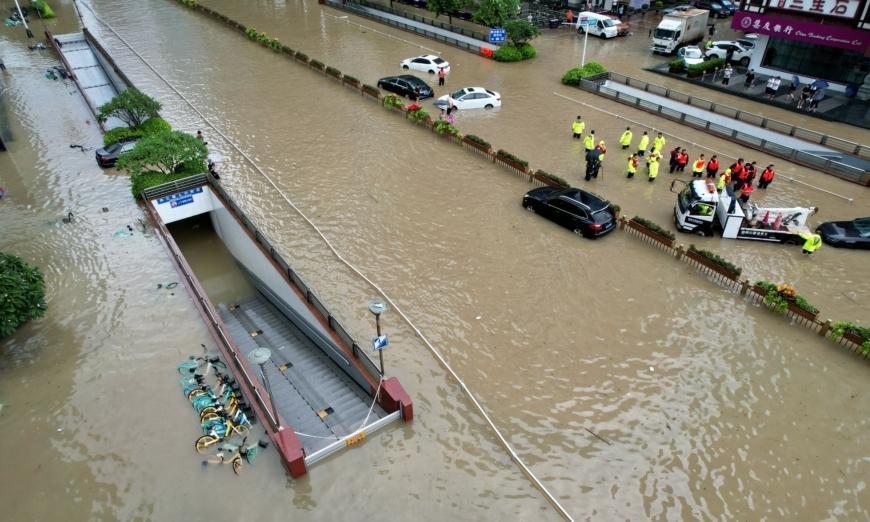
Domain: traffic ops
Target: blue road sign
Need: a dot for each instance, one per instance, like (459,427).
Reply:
(497,35)
(379,343)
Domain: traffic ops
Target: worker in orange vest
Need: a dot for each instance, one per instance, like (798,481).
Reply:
(569,16)
(745,192)
(766,177)
(698,167)
(713,167)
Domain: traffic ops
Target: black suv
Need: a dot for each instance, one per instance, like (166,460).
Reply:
(716,9)
(587,214)
(405,84)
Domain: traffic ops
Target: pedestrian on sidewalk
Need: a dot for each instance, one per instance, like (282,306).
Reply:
(817,97)
(771,88)
(644,143)
(442,74)
(577,127)
(698,167)
(750,79)
(804,99)
(711,31)
(675,160)
(726,74)
(633,160)
(795,83)
(683,160)
(712,167)
(652,165)
(625,139)
(766,177)
(569,16)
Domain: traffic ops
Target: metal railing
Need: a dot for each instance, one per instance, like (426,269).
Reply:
(849,147)
(174,186)
(423,20)
(359,11)
(820,163)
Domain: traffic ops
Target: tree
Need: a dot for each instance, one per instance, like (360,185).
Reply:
(521,31)
(132,107)
(440,7)
(22,293)
(494,13)
(169,152)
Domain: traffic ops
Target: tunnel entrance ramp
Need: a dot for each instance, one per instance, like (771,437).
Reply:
(321,403)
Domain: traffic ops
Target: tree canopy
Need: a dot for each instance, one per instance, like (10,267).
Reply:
(132,107)
(22,293)
(167,152)
(521,31)
(494,13)
(440,7)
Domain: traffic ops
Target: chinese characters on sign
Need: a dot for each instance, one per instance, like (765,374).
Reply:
(829,35)
(844,8)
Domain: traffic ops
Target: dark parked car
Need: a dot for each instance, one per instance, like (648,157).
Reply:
(846,234)
(107,156)
(716,9)
(585,213)
(404,85)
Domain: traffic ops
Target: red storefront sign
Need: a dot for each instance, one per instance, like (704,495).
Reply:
(802,31)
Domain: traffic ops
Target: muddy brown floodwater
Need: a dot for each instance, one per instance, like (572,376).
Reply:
(712,408)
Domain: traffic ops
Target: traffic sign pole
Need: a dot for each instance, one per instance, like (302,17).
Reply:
(585,39)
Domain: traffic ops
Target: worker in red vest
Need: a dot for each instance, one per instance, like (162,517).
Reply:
(751,170)
(745,192)
(698,167)
(766,177)
(683,160)
(713,167)
(736,171)
(675,159)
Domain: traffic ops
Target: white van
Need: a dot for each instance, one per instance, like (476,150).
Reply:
(604,26)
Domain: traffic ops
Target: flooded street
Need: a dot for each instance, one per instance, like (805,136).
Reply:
(707,407)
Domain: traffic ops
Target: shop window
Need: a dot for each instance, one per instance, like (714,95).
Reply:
(806,59)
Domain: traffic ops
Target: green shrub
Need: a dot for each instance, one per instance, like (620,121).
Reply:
(391,100)
(120,134)
(332,71)
(44,10)
(350,79)
(23,289)
(779,296)
(803,304)
(659,4)
(477,139)
(442,127)
(371,89)
(189,3)
(288,50)
(573,76)
(552,177)
(711,256)
(615,208)
(708,65)
(302,57)
(508,53)
(838,328)
(151,179)
(528,51)
(655,227)
(153,126)
(677,65)
(316,64)
(417,114)
(251,33)
(510,157)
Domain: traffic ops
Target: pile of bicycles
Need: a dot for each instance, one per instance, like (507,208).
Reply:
(224,416)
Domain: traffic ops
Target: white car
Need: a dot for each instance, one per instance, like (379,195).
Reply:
(428,63)
(690,55)
(722,48)
(471,98)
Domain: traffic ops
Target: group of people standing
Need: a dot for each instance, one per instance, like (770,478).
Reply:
(740,175)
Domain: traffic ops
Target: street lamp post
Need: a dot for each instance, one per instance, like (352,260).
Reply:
(377,307)
(260,356)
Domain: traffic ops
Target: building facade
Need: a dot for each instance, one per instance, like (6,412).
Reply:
(811,39)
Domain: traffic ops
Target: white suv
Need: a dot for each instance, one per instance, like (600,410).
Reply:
(739,54)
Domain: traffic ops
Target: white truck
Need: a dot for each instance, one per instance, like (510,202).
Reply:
(701,209)
(679,29)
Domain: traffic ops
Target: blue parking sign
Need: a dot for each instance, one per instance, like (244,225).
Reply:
(497,35)
(379,343)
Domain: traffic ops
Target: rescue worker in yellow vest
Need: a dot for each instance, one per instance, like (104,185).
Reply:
(698,167)
(724,179)
(659,144)
(577,127)
(589,141)
(625,139)
(632,165)
(812,242)
(644,143)
(653,165)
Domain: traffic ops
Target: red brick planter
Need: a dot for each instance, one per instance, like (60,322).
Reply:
(711,265)
(795,309)
(512,164)
(478,146)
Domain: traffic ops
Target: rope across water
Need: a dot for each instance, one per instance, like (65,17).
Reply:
(501,438)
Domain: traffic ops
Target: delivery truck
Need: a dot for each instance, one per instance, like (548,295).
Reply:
(701,209)
(679,29)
